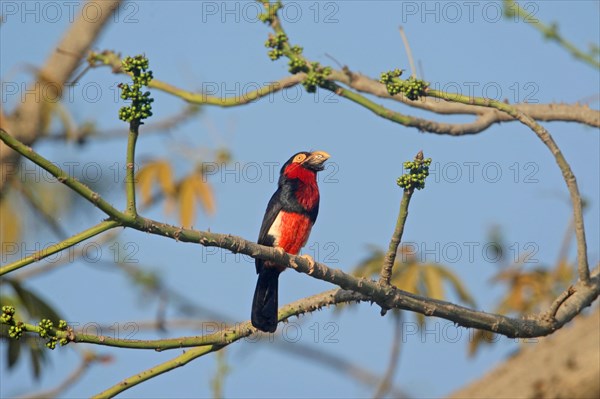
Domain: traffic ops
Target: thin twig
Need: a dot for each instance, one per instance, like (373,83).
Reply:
(76,375)
(69,181)
(411,61)
(51,250)
(134,126)
(386,381)
(550,32)
(31,272)
(390,256)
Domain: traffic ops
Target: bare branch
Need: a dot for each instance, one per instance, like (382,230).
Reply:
(486,117)
(53,76)
(585,292)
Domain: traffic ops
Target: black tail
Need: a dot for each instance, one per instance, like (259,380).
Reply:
(264,304)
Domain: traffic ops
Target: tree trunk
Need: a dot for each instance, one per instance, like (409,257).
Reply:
(563,365)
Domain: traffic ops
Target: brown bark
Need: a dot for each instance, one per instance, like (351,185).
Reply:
(26,122)
(563,365)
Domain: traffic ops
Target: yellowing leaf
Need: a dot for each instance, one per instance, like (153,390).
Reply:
(407,278)
(458,286)
(165,177)
(157,171)
(187,205)
(371,265)
(563,273)
(480,337)
(144,178)
(433,282)
(204,193)
(10,223)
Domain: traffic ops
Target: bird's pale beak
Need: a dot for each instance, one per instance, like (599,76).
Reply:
(316,160)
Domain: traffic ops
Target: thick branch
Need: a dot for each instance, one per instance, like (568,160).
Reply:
(220,338)
(584,293)
(53,76)
(486,117)
(109,58)
(565,168)
(390,297)
(229,336)
(541,112)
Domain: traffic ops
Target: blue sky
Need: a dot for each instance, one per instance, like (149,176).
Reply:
(504,176)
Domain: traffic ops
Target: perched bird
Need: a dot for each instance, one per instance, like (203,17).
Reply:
(290,215)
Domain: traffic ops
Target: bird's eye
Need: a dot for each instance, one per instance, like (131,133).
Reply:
(299,158)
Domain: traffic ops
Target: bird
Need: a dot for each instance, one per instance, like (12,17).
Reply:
(290,215)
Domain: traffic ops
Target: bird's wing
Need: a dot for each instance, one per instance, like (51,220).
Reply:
(273,209)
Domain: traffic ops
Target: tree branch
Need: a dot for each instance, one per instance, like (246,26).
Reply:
(550,32)
(59,67)
(386,381)
(584,293)
(565,168)
(390,256)
(60,175)
(542,112)
(87,360)
(229,336)
(51,250)
(485,117)
(130,165)
(110,58)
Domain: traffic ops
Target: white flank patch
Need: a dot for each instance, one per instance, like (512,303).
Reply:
(275,229)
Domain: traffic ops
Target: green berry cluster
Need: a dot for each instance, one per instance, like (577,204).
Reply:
(45,325)
(412,88)
(62,325)
(418,170)
(51,343)
(141,103)
(7,315)
(390,75)
(297,65)
(270,11)
(16,331)
(316,77)
(276,43)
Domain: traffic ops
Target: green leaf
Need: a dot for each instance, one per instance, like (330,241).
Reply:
(38,356)
(35,306)
(14,350)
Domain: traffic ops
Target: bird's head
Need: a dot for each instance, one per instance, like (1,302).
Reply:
(304,163)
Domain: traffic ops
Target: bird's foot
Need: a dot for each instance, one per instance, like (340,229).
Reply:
(311,263)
